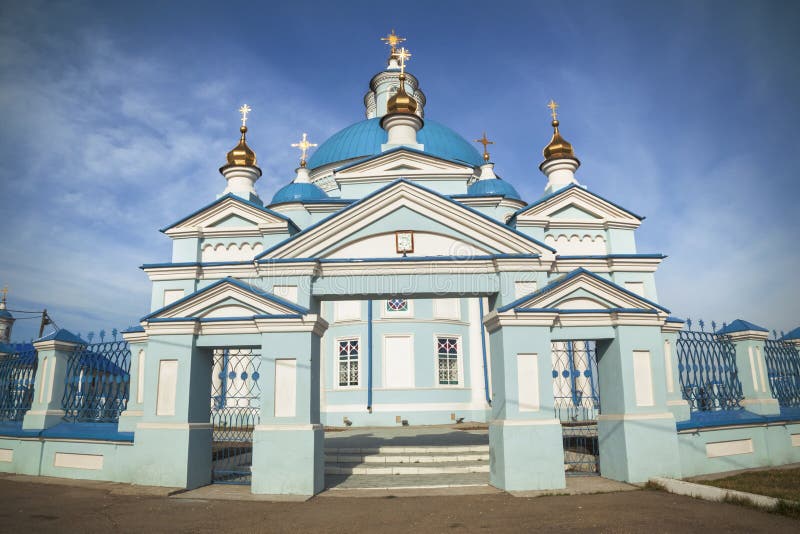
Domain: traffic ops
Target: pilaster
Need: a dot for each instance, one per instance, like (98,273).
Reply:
(137,343)
(748,339)
(676,404)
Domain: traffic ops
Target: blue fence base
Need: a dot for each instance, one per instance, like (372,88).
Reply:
(88,431)
(718,418)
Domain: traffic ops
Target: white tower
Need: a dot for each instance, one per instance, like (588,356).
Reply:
(241,171)
(559,163)
(6,319)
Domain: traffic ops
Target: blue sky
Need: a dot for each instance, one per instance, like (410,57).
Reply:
(116,117)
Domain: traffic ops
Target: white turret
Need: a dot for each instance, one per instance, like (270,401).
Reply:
(401,121)
(240,170)
(559,163)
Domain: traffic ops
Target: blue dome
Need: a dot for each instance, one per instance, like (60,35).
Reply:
(5,314)
(366,137)
(302,192)
(493,187)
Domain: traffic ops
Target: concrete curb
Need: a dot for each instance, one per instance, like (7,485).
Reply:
(711,493)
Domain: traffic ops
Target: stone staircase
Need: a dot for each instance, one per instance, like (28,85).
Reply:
(398,466)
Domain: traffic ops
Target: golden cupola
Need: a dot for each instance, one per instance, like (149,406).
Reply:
(401,102)
(558,147)
(242,155)
(559,163)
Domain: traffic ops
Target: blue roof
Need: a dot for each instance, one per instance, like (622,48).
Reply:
(794,334)
(366,137)
(62,335)
(5,314)
(561,191)
(493,187)
(294,192)
(740,325)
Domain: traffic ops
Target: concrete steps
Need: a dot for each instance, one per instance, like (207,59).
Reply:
(429,461)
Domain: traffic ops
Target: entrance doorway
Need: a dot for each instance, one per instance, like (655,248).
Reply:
(235,411)
(577,404)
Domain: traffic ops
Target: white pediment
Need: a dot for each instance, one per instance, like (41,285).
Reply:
(582,290)
(402,163)
(426,244)
(231,217)
(429,213)
(226,298)
(575,207)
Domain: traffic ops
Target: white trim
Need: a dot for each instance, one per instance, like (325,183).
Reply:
(336,341)
(44,377)
(643,378)
(174,426)
(440,314)
(407,407)
(285,427)
(167,389)
(339,317)
(753,370)
(760,358)
(668,366)
(70,460)
(527,370)
(729,448)
(635,416)
(6,455)
(384,338)
(525,422)
(140,377)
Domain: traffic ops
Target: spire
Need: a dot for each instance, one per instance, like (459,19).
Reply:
(559,163)
(240,170)
(558,147)
(401,102)
(303,145)
(241,154)
(401,121)
(485,142)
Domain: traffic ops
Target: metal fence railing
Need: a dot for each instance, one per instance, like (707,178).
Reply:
(783,370)
(17,376)
(97,382)
(709,376)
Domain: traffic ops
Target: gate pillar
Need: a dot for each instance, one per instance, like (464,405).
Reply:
(289,442)
(749,342)
(173,437)
(525,441)
(636,431)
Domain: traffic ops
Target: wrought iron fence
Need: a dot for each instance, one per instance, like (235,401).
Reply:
(97,382)
(17,375)
(783,369)
(708,373)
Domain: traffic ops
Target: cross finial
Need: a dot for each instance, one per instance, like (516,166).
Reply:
(4,291)
(392,39)
(244,110)
(403,55)
(485,142)
(303,145)
(553,107)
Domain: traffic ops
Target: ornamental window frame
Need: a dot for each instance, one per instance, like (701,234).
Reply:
(386,313)
(337,362)
(459,359)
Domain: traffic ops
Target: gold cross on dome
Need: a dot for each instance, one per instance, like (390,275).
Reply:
(403,55)
(553,107)
(303,145)
(5,293)
(244,110)
(485,142)
(393,40)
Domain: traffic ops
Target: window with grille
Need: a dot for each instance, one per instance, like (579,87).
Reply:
(348,362)
(447,351)
(397,305)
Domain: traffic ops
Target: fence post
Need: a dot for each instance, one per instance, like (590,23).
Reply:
(137,343)
(675,402)
(793,337)
(52,353)
(748,339)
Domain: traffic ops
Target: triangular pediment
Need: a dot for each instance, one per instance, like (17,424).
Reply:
(576,204)
(227,298)
(402,162)
(405,206)
(582,290)
(230,213)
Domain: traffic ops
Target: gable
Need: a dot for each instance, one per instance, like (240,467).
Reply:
(230,216)
(227,298)
(575,206)
(583,290)
(376,211)
(401,162)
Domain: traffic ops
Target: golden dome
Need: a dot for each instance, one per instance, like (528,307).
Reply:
(242,155)
(401,102)
(558,147)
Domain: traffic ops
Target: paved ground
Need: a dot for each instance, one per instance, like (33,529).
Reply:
(34,507)
(434,435)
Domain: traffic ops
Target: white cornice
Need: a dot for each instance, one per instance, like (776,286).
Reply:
(135,337)
(494,321)
(748,335)
(307,323)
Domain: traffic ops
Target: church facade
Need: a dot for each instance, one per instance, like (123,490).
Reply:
(398,280)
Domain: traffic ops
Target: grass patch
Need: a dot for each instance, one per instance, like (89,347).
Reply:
(780,483)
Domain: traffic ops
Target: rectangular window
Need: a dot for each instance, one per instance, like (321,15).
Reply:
(447,309)
(348,362)
(397,305)
(447,352)
(347,310)
(286,292)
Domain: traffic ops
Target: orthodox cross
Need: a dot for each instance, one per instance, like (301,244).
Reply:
(485,142)
(4,291)
(403,55)
(553,107)
(303,145)
(393,40)
(244,110)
